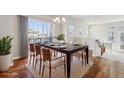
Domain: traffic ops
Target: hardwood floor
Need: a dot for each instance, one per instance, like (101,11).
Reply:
(19,70)
(102,68)
(105,68)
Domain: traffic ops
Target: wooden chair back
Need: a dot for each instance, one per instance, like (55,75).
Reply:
(38,50)
(32,49)
(46,54)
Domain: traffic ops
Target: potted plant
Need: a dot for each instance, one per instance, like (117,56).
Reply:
(5,53)
(60,38)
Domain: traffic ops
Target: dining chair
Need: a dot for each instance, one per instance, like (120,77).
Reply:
(52,62)
(81,55)
(32,53)
(38,57)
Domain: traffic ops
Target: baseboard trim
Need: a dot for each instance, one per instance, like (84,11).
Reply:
(18,58)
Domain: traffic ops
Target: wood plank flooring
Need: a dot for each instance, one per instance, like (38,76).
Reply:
(105,68)
(19,70)
(102,68)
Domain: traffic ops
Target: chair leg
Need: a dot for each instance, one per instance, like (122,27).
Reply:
(30,60)
(35,64)
(43,70)
(82,61)
(61,54)
(40,67)
(82,57)
(85,60)
(50,69)
(54,54)
(55,68)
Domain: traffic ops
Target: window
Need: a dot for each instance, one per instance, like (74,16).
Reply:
(122,40)
(111,36)
(122,37)
(71,29)
(70,33)
(83,31)
(39,31)
(111,29)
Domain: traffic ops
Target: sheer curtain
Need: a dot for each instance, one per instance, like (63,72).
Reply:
(23,36)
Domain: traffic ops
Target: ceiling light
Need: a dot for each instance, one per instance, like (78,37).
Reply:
(59,20)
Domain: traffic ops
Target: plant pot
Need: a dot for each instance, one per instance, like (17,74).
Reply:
(5,62)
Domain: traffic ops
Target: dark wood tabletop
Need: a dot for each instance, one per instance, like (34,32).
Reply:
(67,49)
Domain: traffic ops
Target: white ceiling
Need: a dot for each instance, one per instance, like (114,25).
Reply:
(98,19)
(89,19)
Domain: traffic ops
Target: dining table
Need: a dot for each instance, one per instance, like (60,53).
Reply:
(68,49)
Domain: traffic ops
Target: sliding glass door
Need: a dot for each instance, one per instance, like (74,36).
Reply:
(121,41)
(118,39)
(39,31)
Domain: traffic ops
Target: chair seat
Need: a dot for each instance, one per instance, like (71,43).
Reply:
(55,62)
(84,53)
(38,57)
(32,54)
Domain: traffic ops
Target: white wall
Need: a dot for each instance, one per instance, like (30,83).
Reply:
(16,37)
(9,25)
(100,31)
(6,25)
(77,29)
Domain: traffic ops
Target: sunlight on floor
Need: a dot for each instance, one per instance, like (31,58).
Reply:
(118,56)
(77,70)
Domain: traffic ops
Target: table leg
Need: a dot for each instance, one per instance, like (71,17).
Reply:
(68,65)
(82,57)
(87,54)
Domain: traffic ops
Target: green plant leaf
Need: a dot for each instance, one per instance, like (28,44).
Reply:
(60,37)
(5,45)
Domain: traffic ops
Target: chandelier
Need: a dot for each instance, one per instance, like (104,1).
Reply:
(59,20)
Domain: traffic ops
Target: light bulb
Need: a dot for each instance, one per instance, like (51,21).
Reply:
(59,20)
(54,20)
(63,19)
